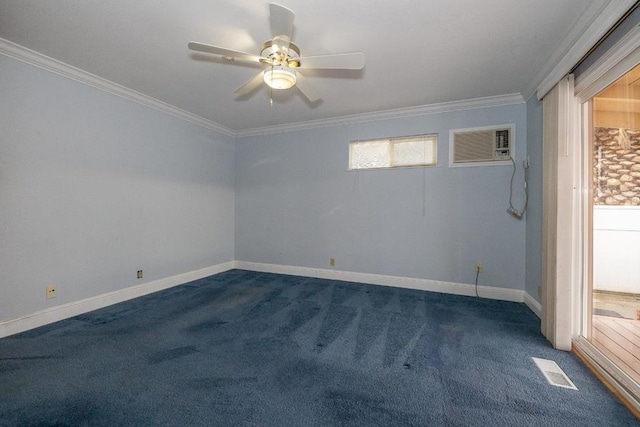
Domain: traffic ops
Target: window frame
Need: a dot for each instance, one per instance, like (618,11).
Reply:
(429,138)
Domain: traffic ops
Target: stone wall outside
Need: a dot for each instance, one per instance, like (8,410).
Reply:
(616,167)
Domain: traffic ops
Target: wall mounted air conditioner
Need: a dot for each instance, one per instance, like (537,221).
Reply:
(482,146)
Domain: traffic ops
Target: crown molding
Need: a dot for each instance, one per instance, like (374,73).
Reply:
(421,110)
(615,62)
(44,62)
(588,30)
(585,19)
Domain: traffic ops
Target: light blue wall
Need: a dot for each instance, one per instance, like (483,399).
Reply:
(534,210)
(296,204)
(94,187)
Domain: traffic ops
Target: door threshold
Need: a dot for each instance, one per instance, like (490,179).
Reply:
(622,386)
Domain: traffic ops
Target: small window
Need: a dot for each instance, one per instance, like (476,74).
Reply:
(394,152)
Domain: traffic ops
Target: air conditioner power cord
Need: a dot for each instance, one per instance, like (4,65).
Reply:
(512,210)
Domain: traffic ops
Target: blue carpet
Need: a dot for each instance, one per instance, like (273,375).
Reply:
(255,349)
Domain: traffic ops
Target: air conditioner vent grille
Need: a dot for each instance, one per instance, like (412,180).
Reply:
(482,145)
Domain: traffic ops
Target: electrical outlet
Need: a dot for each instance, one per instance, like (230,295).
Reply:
(139,274)
(332,262)
(479,267)
(51,292)
(539,291)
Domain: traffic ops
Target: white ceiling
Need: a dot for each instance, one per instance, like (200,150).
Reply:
(418,52)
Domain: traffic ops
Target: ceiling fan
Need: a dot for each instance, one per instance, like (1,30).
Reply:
(283,59)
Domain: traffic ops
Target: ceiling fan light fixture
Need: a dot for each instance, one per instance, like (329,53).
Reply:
(280,77)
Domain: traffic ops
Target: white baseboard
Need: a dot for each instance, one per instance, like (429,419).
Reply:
(489,292)
(65,311)
(533,305)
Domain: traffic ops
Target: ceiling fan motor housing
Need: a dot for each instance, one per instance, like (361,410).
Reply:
(275,51)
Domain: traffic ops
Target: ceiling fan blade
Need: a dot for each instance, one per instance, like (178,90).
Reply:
(306,88)
(201,47)
(250,84)
(281,20)
(340,61)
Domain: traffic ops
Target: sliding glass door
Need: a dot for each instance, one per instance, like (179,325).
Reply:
(613,287)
